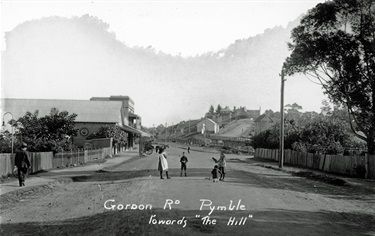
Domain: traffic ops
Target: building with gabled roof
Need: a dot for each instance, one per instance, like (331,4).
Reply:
(225,111)
(206,125)
(186,127)
(91,114)
(243,113)
(253,114)
(263,122)
(87,111)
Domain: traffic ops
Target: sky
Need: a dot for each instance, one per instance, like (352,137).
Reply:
(166,25)
(184,28)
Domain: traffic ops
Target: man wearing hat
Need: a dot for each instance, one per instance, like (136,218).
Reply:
(22,163)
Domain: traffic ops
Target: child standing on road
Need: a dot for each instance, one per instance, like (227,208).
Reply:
(183,161)
(215,174)
(163,163)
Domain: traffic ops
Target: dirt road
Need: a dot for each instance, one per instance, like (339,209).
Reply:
(269,202)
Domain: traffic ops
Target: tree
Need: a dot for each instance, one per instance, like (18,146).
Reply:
(114,132)
(324,136)
(49,133)
(6,142)
(218,109)
(265,139)
(160,128)
(308,117)
(293,107)
(293,112)
(270,138)
(211,110)
(334,43)
(269,113)
(326,109)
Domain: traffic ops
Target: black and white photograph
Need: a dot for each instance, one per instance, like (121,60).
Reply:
(186,117)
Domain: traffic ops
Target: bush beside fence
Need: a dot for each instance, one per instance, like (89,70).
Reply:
(46,160)
(349,165)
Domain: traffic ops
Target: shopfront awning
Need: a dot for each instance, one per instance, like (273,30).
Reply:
(132,115)
(129,129)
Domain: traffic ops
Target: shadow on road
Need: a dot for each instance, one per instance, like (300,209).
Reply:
(125,175)
(302,182)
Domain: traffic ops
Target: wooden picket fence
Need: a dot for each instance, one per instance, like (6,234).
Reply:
(46,160)
(348,165)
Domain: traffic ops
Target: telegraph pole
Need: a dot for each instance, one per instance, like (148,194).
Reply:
(189,126)
(205,124)
(281,149)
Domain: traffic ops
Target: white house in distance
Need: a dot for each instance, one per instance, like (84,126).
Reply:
(211,126)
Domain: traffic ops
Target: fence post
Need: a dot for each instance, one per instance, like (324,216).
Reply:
(62,158)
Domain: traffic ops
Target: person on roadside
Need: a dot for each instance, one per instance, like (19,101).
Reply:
(163,163)
(22,163)
(222,163)
(188,149)
(183,161)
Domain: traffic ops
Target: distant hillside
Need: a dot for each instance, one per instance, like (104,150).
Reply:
(82,53)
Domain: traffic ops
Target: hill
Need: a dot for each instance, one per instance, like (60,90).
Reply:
(79,57)
(237,128)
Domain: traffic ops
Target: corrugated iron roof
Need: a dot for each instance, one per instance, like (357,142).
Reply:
(261,118)
(86,110)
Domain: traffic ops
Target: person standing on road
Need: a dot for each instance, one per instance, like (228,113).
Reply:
(188,149)
(22,162)
(222,162)
(163,163)
(183,161)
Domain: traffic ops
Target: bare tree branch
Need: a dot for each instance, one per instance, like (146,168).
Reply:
(352,128)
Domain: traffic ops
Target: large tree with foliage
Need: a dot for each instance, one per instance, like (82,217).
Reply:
(308,117)
(211,110)
(320,135)
(118,135)
(270,138)
(335,44)
(6,142)
(49,133)
(326,108)
(218,109)
(293,112)
(324,136)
